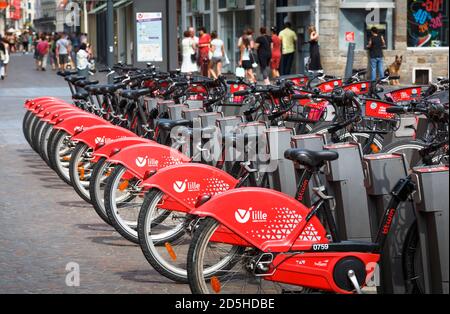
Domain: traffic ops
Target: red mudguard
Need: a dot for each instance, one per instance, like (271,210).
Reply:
(58,113)
(79,122)
(58,117)
(96,135)
(142,158)
(48,104)
(48,111)
(33,102)
(265,218)
(119,144)
(184,184)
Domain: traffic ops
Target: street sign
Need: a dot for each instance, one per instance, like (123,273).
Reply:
(350,37)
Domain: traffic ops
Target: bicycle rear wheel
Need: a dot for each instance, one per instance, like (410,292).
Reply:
(232,273)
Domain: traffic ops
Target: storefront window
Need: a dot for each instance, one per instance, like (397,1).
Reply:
(427,23)
(354,22)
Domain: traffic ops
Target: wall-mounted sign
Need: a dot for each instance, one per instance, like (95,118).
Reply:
(149,37)
(427,23)
(350,37)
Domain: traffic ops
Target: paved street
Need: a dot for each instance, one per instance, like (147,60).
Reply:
(44,225)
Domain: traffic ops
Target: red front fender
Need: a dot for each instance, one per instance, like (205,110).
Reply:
(185,183)
(142,158)
(77,122)
(58,117)
(58,113)
(49,111)
(95,135)
(121,143)
(33,102)
(47,105)
(265,218)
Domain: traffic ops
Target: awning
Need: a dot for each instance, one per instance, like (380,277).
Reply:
(348,4)
(117,5)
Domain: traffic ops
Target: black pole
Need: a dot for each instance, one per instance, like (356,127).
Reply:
(350,61)
(109,33)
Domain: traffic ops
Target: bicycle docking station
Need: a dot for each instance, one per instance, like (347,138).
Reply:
(345,177)
(280,170)
(406,130)
(432,211)
(383,172)
(191,114)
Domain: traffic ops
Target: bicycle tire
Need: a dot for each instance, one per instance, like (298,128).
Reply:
(75,160)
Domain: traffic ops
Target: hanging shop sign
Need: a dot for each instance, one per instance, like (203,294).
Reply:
(427,23)
(149,37)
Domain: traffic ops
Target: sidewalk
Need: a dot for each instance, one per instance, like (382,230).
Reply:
(44,224)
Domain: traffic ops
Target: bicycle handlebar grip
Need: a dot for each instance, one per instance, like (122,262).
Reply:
(241,93)
(301,96)
(396,110)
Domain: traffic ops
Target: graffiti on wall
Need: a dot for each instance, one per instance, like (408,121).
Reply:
(427,23)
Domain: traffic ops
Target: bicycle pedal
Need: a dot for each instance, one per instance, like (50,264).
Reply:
(354,281)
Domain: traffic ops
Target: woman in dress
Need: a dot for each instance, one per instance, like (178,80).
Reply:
(188,47)
(276,53)
(315,64)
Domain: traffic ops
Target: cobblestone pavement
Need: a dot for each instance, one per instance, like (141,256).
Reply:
(44,225)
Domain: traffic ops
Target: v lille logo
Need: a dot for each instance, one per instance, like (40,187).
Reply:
(179,186)
(99,140)
(242,215)
(141,161)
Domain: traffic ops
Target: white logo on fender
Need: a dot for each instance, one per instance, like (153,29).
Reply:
(242,215)
(99,140)
(141,161)
(179,186)
(144,161)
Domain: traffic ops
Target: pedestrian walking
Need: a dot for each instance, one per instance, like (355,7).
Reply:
(3,50)
(375,46)
(189,55)
(52,52)
(288,41)
(218,55)
(246,61)
(43,49)
(204,42)
(83,60)
(62,51)
(36,41)
(25,42)
(276,53)
(315,64)
(5,61)
(263,46)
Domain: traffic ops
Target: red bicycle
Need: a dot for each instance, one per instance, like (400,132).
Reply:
(278,244)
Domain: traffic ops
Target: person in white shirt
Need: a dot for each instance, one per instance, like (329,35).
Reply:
(218,54)
(188,48)
(83,61)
